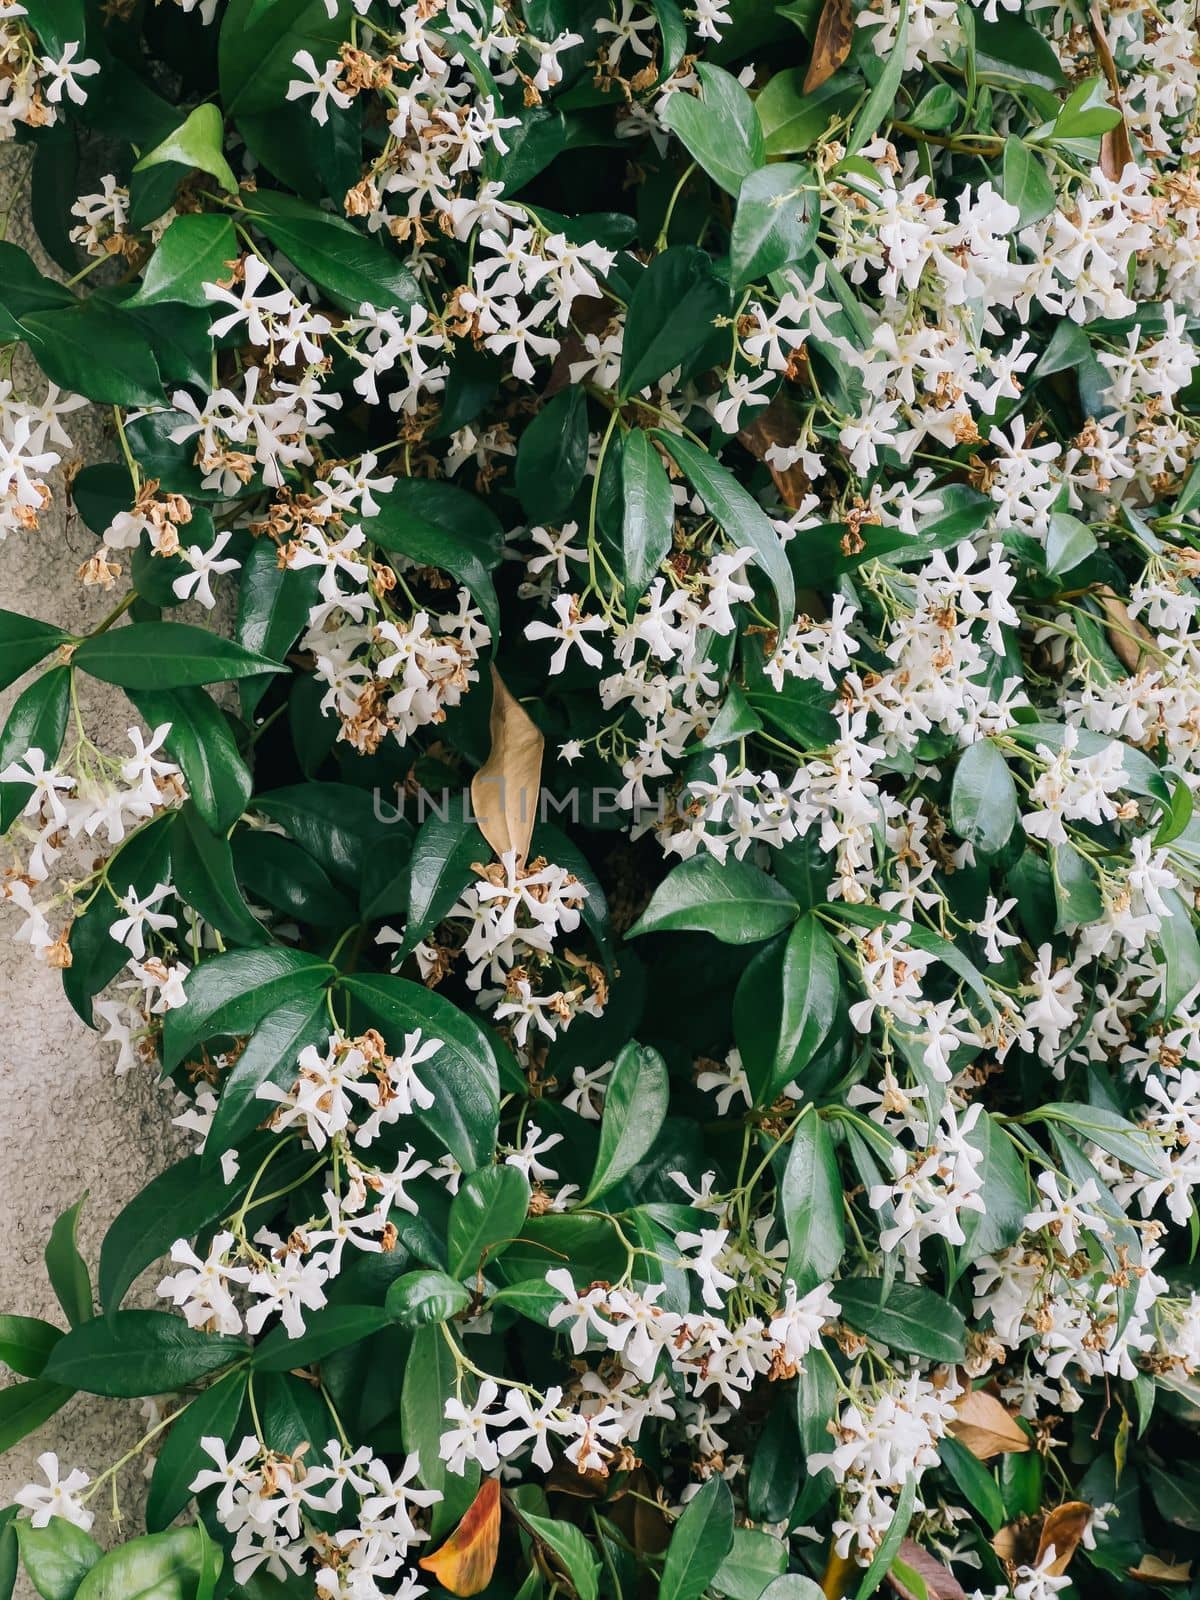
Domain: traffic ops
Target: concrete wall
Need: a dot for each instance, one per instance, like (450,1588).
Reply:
(66,1123)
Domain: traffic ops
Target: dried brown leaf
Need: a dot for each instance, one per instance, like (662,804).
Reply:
(504,792)
(835,35)
(1152,1569)
(1116,150)
(1128,638)
(467,1560)
(986,1428)
(777,425)
(1062,1530)
(939,1583)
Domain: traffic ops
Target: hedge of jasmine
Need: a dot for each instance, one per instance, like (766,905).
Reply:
(652,559)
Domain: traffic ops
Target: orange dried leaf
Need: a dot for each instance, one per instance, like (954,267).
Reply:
(504,792)
(465,1563)
(835,35)
(986,1428)
(1062,1530)
(1116,150)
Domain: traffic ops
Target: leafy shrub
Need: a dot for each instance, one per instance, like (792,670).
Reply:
(668,892)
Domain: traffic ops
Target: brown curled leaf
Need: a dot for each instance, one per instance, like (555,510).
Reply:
(1129,639)
(940,1584)
(835,35)
(1152,1569)
(504,792)
(1061,1532)
(465,1563)
(777,426)
(1116,150)
(986,1428)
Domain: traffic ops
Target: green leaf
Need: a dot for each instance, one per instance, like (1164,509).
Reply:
(25,1344)
(23,643)
(177,1204)
(463,1076)
(674,305)
(430,1378)
(273,607)
(196,144)
(66,1268)
(57,23)
(1068,542)
(37,721)
(739,514)
(438,872)
(160,1566)
(648,515)
(440,525)
(258,41)
(204,878)
(891,1541)
(282,874)
(337,825)
(213,1414)
(25,1406)
(486,1214)
(775,222)
(904,1317)
(700,1541)
(231,994)
(792,120)
(202,743)
(1086,112)
(973,1481)
(1076,891)
(983,798)
(720,129)
(883,92)
(552,456)
(935,110)
(166,655)
(96,350)
(734,900)
(23,289)
(419,1299)
(784,1006)
(332,1328)
(350,266)
(57,1557)
(1181,952)
(571,1551)
(1012,50)
(270,1056)
(754,1560)
(136,1353)
(1005,1192)
(194,250)
(810,1202)
(96,958)
(1112,1133)
(635,1104)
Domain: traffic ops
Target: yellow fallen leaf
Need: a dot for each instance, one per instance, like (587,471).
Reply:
(986,1428)
(831,46)
(465,1563)
(504,792)
(1151,1569)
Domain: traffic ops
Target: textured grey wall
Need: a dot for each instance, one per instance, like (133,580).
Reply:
(66,1123)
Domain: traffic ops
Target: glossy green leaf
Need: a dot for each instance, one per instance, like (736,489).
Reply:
(755,1559)
(203,873)
(135,1353)
(231,994)
(270,1056)
(983,798)
(418,1299)
(700,1541)
(202,742)
(57,1557)
(439,869)
(430,1378)
(176,1204)
(332,1328)
(486,1214)
(635,1104)
(739,514)
(784,1006)
(26,1343)
(352,268)
(23,643)
(166,655)
(195,249)
(733,900)
(552,456)
(811,1204)
(720,129)
(775,222)
(462,1077)
(37,721)
(647,515)
(674,304)
(213,1414)
(66,1268)
(905,1317)
(569,1551)
(160,1566)
(95,350)
(196,143)
(25,1406)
